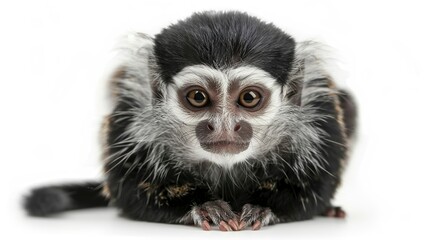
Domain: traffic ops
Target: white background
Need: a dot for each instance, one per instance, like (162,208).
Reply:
(54,59)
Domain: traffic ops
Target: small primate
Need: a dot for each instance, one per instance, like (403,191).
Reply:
(220,120)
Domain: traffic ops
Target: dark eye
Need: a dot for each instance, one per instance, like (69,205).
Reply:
(249,98)
(197,98)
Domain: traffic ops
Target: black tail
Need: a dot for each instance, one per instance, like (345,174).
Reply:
(54,199)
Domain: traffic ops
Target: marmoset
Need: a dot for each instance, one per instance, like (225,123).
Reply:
(220,120)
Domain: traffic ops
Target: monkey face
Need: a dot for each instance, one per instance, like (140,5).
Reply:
(224,112)
(222,77)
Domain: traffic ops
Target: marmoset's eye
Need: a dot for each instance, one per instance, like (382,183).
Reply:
(249,98)
(197,98)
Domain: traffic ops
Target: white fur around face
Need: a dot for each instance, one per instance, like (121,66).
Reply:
(246,76)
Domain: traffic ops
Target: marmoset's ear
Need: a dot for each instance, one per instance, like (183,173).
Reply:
(294,91)
(158,87)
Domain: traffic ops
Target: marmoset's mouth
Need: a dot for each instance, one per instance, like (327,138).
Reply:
(223,147)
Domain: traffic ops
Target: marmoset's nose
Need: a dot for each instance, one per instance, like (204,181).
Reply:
(237,127)
(242,131)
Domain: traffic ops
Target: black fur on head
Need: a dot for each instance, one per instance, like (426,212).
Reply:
(222,40)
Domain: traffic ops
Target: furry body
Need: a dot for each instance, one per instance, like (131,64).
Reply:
(155,168)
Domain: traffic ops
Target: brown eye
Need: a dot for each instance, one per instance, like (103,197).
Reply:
(249,98)
(197,98)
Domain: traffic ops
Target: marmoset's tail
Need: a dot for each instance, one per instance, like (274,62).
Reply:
(54,199)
